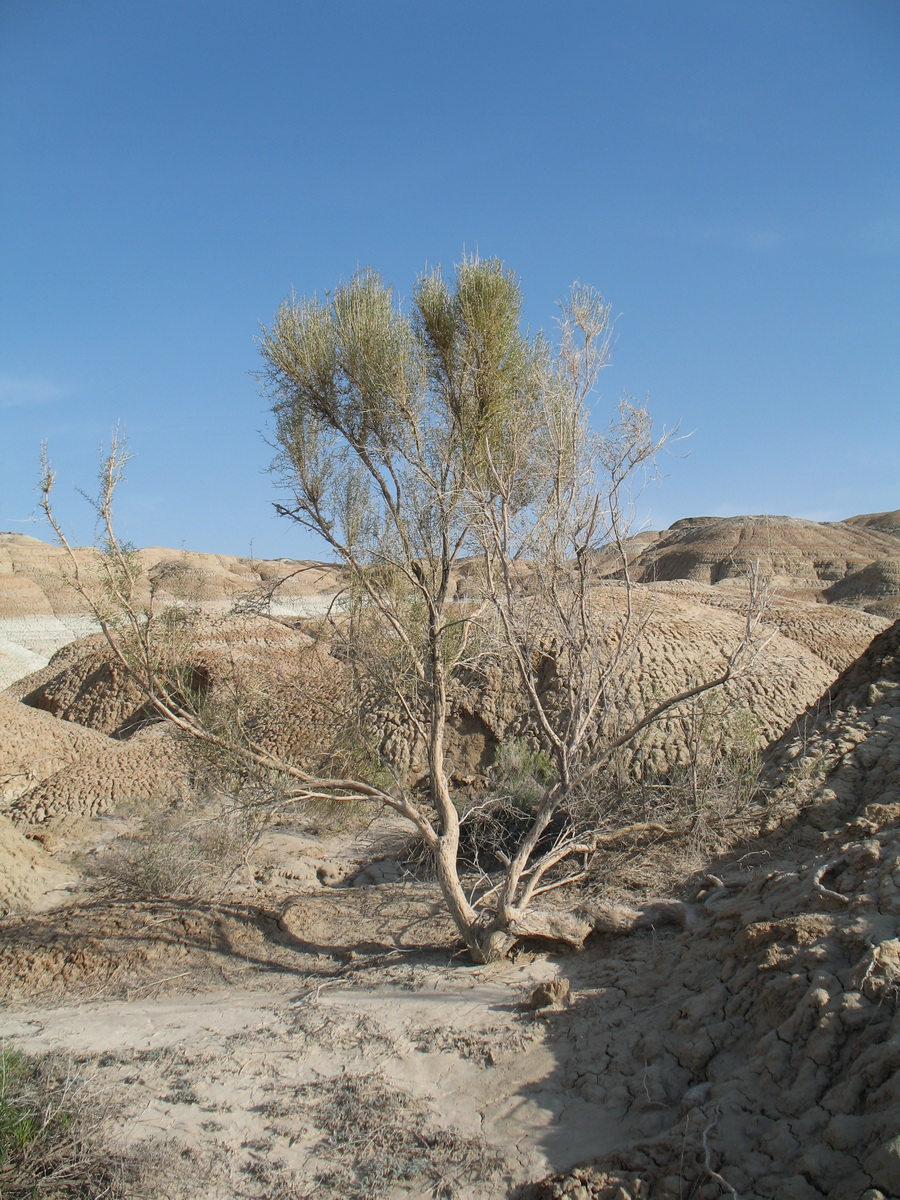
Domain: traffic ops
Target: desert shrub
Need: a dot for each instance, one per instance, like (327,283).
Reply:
(721,759)
(50,1139)
(521,773)
(191,852)
(493,822)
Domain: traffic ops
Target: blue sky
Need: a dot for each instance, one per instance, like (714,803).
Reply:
(725,173)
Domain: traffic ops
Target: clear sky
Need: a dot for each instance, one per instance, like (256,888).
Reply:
(725,172)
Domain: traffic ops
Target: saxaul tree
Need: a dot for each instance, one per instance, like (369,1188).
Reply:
(411,442)
(419,443)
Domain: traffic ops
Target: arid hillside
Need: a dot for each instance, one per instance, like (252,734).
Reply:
(273,1002)
(40,612)
(294,694)
(804,559)
(853,563)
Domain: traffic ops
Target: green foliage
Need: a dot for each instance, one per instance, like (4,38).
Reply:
(521,773)
(486,372)
(388,421)
(348,365)
(721,758)
(19,1120)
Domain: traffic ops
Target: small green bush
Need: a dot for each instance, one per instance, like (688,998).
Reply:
(521,774)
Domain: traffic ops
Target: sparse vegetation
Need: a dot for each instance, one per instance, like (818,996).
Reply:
(51,1142)
(411,444)
(184,852)
(378,1137)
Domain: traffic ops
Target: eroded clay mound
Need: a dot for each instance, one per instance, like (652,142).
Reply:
(295,699)
(150,766)
(759,1056)
(27,873)
(34,746)
(254,657)
(836,634)
(54,768)
(85,685)
(875,587)
(684,643)
(844,751)
(282,688)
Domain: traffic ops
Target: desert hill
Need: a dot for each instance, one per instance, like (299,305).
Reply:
(33,576)
(853,563)
(299,689)
(40,612)
(296,691)
(692,624)
(886,522)
(805,559)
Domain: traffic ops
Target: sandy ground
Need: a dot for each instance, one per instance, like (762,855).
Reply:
(236,1037)
(236,1078)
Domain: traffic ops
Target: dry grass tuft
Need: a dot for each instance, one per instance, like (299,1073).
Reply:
(51,1139)
(378,1138)
(175,852)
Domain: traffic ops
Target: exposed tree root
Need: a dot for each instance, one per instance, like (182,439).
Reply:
(574,928)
